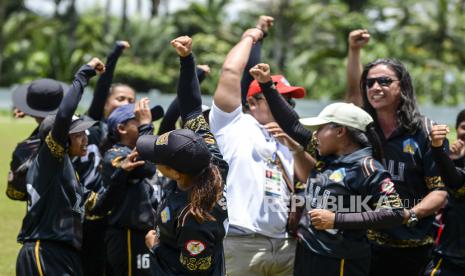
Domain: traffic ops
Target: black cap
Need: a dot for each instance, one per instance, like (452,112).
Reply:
(181,149)
(78,124)
(39,98)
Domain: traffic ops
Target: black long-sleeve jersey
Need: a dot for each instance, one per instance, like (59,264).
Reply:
(55,206)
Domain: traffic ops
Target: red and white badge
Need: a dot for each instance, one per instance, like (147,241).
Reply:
(195,247)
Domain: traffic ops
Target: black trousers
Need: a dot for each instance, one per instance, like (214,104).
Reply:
(93,247)
(309,263)
(126,252)
(42,258)
(440,266)
(399,261)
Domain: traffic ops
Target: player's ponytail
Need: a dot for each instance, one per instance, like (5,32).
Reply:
(206,191)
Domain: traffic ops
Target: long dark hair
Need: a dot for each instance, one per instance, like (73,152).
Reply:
(206,191)
(408,115)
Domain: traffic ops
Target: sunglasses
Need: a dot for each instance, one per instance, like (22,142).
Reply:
(382,81)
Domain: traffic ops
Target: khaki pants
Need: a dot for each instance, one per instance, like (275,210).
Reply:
(259,255)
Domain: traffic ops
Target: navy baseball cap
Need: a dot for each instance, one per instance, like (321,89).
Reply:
(120,115)
(181,149)
(124,113)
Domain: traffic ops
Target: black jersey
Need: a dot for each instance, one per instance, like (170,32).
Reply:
(451,243)
(135,194)
(408,158)
(187,247)
(55,209)
(21,160)
(54,195)
(350,183)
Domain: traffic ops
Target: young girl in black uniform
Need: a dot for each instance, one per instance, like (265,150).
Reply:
(449,253)
(192,217)
(52,228)
(130,195)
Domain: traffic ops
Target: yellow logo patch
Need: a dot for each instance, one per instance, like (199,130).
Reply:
(163,139)
(338,175)
(165,215)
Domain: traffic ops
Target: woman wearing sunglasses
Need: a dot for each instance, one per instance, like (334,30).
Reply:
(389,97)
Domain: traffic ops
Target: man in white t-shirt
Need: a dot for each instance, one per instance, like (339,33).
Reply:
(260,170)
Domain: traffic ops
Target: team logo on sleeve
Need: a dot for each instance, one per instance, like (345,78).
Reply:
(338,175)
(165,215)
(410,146)
(387,187)
(195,247)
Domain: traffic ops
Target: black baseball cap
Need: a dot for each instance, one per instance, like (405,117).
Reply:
(39,98)
(78,124)
(181,149)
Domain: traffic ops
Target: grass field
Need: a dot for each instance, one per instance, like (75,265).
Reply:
(12,212)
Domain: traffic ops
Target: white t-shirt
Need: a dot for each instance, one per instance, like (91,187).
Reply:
(246,146)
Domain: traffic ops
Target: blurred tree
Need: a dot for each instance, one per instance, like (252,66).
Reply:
(308,43)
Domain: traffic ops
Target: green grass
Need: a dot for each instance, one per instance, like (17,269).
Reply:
(11,212)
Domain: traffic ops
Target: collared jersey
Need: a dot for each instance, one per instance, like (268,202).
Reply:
(344,185)
(186,246)
(408,158)
(54,202)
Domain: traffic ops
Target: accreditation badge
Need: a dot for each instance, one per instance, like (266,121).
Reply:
(273,178)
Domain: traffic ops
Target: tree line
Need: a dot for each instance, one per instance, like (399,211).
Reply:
(308,43)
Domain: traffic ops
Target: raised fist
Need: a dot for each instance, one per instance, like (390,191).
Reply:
(205,68)
(261,72)
(123,43)
(183,45)
(358,38)
(97,64)
(438,135)
(265,22)
(142,111)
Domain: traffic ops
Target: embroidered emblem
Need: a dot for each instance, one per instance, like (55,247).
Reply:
(165,215)
(338,175)
(163,139)
(195,247)
(387,187)
(434,182)
(196,264)
(410,146)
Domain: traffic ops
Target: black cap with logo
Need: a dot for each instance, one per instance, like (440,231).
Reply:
(181,149)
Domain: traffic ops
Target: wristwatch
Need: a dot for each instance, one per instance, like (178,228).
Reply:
(413,219)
